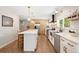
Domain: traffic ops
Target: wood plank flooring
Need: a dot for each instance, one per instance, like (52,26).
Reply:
(11,48)
(43,46)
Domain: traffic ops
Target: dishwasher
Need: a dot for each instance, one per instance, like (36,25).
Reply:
(57,43)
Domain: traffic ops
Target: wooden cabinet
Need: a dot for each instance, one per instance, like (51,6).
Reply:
(20,42)
(67,46)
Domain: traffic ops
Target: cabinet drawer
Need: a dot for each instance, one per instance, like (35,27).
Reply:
(67,46)
(63,41)
(71,43)
(72,47)
(63,45)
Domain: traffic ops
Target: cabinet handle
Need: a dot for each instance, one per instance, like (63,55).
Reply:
(70,44)
(65,49)
(62,39)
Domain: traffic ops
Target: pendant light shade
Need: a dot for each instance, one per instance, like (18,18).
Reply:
(29,14)
(28,19)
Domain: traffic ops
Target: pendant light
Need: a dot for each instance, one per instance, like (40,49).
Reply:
(29,14)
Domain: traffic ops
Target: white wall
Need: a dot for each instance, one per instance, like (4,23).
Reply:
(8,34)
(5,11)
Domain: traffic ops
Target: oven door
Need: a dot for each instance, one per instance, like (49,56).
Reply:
(51,37)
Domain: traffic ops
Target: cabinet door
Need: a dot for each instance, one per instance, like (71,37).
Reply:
(67,46)
(30,42)
(63,48)
(71,47)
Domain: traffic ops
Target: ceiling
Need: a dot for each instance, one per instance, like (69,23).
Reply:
(43,12)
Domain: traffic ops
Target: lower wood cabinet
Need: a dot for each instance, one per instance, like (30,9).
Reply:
(20,42)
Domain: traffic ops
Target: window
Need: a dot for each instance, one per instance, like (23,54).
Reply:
(61,23)
(66,22)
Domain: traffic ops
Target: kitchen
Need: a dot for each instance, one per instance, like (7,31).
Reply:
(65,38)
(61,33)
(52,30)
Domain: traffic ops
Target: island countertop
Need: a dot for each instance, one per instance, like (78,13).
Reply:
(31,31)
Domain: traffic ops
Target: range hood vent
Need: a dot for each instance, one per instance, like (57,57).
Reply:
(53,18)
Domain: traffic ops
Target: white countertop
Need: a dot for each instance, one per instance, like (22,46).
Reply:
(68,36)
(30,31)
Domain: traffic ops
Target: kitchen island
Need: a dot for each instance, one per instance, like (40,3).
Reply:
(30,39)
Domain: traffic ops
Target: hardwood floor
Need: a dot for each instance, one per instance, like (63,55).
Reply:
(11,48)
(43,46)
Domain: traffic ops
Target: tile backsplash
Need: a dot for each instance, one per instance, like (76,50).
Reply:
(67,11)
(74,24)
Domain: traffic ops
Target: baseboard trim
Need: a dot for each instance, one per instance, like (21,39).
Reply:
(6,44)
